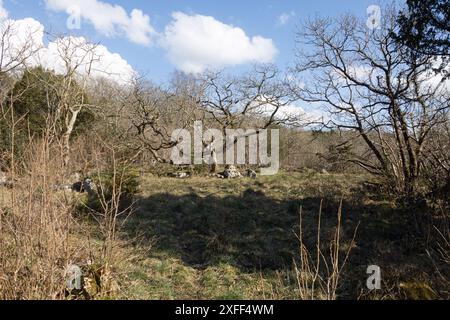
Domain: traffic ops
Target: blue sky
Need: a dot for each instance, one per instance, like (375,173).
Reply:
(274,21)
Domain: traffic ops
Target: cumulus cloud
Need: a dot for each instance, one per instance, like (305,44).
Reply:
(291,113)
(107,19)
(294,114)
(429,80)
(26,40)
(105,63)
(20,40)
(193,43)
(196,42)
(286,112)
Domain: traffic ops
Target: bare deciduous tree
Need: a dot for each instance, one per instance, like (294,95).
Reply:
(16,52)
(150,113)
(372,85)
(257,100)
(77,57)
(16,49)
(261,95)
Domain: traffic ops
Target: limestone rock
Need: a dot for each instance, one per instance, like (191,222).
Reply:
(231,172)
(251,174)
(180,175)
(83,186)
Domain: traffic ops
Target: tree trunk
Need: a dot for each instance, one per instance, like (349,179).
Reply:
(67,135)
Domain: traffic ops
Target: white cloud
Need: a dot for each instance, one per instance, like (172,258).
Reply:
(3,12)
(27,40)
(105,63)
(430,80)
(193,42)
(20,39)
(107,19)
(284,18)
(196,42)
(294,114)
(290,113)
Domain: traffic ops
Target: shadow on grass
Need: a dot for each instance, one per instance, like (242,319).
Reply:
(252,231)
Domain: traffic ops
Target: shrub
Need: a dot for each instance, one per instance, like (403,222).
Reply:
(122,184)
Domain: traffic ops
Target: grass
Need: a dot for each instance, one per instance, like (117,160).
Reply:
(207,238)
(234,239)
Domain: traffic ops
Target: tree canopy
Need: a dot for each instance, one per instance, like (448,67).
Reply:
(424,27)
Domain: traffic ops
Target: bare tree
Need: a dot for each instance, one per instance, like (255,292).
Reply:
(76,57)
(372,85)
(259,95)
(16,52)
(258,99)
(150,113)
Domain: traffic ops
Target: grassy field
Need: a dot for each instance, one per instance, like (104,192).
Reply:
(206,238)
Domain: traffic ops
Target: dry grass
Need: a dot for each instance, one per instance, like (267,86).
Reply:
(36,230)
(43,232)
(211,238)
(319,271)
(206,238)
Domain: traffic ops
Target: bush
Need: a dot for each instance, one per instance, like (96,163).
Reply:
(122,184)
